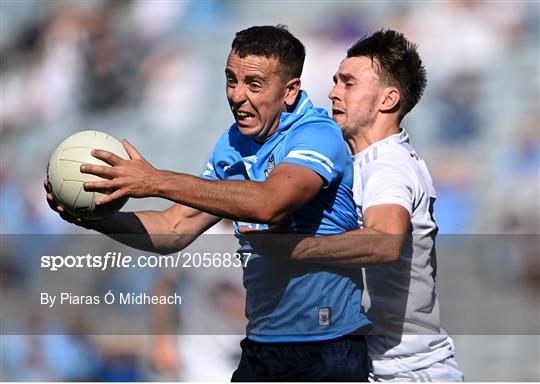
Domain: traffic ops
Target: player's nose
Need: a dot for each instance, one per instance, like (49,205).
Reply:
(237,95)
(333,94)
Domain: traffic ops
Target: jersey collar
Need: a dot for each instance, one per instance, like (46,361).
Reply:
(287,119)
(398,138)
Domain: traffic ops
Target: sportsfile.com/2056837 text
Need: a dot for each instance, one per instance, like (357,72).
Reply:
(118,260)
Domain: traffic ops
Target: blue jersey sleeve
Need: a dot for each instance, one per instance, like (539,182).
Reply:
(213,171)
(210,171)
(320,147)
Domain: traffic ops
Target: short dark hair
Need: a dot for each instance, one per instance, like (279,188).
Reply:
(272,41)
(397,62)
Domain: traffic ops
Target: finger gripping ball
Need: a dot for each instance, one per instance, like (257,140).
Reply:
(66,180)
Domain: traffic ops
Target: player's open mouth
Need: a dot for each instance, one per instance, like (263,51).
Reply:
(244,117)
(336,112)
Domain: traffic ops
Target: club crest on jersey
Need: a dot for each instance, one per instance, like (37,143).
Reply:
(271,165)
(324,316)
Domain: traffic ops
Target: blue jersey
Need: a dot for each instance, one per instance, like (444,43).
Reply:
(287,300)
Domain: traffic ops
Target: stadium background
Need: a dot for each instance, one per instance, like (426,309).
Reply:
(152,71)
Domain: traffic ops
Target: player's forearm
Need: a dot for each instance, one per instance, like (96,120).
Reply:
(124,227)
(148,231)
(361,247)
(236,200)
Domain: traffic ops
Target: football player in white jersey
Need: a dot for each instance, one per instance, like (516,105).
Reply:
(377,84)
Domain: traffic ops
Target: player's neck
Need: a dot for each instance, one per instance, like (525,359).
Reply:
(370,135)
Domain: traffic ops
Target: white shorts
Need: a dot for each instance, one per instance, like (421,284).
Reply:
(446,370)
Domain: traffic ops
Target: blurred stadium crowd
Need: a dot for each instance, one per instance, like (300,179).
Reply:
(152,71)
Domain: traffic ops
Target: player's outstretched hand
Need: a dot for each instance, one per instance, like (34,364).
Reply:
(60,209)
(133,178)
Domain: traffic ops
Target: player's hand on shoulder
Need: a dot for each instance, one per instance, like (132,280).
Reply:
(277,242)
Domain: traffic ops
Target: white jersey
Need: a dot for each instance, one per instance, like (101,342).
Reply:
(400,298)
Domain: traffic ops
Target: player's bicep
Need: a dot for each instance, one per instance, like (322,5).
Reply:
(291,186)
(388,218)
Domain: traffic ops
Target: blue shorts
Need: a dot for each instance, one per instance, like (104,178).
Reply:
(342,359)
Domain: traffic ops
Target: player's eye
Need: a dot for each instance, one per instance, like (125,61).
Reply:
(231,82)
(255,87)
(348,84)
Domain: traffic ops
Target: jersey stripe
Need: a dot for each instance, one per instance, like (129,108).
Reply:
(313,156)
(209,169)
(299,110)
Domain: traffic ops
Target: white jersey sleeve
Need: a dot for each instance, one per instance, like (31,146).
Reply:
(387,182)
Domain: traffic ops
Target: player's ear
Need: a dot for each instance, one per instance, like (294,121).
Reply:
(292,89)
(390,99)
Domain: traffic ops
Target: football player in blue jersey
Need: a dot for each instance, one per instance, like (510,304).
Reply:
(379,81)
(282,160)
